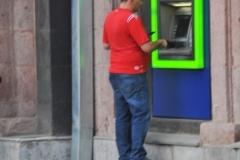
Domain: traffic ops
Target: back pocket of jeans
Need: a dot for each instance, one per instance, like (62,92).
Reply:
(129,88)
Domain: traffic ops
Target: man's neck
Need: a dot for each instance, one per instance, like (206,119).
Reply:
(125,5)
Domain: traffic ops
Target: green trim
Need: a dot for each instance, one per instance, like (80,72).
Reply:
(198,62)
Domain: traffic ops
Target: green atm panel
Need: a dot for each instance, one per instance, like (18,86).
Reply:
(181,76)
(182,22)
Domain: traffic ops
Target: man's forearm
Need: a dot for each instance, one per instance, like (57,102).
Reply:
(160,43)
(151,46)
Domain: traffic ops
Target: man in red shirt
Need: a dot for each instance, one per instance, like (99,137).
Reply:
(130,47)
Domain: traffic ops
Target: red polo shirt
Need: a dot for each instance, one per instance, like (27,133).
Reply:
(124,32)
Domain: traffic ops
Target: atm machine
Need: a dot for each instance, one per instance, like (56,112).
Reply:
(176,27)
(181,73)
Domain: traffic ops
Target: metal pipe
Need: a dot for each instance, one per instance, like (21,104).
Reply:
(82,80)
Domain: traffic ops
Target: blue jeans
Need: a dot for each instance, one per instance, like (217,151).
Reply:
(132,114)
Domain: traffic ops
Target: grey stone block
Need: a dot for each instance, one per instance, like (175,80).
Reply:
(3,150)
(44,120)
(235,145)
(172,139)
(28,150)
(238,154)
(42,14)
(104,149)
(157,152)
(211,153)
(9,151)
(175,126)
(61,150)
(35,148)
(187,153)
(13,151)
(43,48)
(44,84)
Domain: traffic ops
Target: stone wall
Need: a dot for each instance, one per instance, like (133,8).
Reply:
(54,76)
(104,110)
(35,148)
(17,67)
(35,66)
(224,127)
(225,74)
(106,150)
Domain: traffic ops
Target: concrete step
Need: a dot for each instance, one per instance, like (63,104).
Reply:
(173,139)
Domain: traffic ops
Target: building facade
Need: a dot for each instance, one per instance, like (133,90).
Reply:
(40,86)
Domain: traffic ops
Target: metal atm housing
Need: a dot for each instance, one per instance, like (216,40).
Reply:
(181,78)
(175,25)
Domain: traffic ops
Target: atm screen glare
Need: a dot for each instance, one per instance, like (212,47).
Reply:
(182,27)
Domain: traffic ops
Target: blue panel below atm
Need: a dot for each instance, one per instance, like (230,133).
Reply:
(181,93)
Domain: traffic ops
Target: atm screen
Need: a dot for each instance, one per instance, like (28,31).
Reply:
(182,27)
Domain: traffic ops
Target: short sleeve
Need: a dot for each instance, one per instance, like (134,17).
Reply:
(136,29)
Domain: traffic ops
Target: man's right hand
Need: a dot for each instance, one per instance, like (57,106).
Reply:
(163,43)
(150,46)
